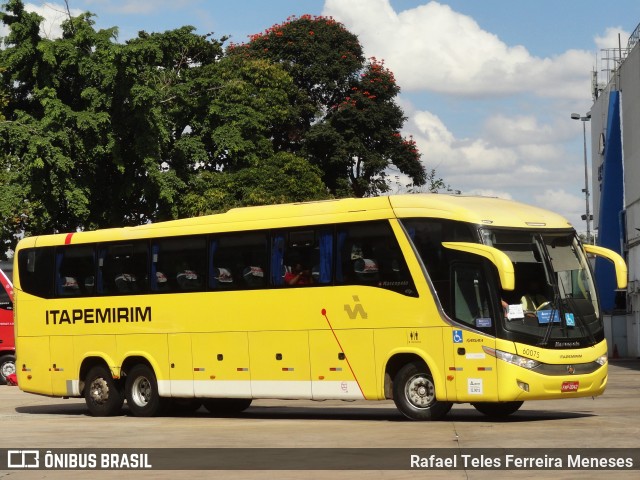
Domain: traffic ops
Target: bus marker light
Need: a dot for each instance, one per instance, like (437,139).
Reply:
(450,377)
(321,377)
(523,386)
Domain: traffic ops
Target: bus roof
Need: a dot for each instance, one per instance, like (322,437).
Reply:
(470,209)
(477,210)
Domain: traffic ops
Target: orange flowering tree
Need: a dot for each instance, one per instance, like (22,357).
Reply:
(349,123)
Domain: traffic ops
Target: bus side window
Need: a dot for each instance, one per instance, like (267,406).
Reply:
(36,267)
(302,257)
(178,264)
(368,254)
(470,296)
(123,268)
(5,300)
(238,261)
(75,271)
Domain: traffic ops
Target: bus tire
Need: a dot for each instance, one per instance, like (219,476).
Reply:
(497,409)
(141,390)
(101,393)
(414,394)
(226,406)
(7,367)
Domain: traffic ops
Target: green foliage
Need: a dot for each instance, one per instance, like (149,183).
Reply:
(284,178)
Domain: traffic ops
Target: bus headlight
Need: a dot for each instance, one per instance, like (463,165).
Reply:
(523,362)
(602,360)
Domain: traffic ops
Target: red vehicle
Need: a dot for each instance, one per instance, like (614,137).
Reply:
(7,340)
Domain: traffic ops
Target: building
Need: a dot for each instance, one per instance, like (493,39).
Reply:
(615,154)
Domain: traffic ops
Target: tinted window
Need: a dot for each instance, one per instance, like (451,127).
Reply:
(427,235)
(238,261)
(301,257)
(368,254)
(36,271)
(123,268)
(178,264)
(471,304)
(75,271)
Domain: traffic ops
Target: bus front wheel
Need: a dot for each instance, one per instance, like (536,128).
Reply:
(101,393)
(414,394)
(497,409)
(142,394)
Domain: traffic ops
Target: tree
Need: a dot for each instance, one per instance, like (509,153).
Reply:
(351,123)
(284,178)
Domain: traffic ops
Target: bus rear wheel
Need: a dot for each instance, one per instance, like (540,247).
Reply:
(226,406)
(103,395)
(497,409)
(414,394)
(141,390)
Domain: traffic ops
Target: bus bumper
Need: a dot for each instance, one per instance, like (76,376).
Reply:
(520,384)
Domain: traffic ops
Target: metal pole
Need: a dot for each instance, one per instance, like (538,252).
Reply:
(586,179)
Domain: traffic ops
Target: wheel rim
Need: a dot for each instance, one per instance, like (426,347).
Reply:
(8,369)
(99,391)
(141,391)
(420,391)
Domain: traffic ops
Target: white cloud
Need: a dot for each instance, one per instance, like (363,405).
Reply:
(432,47)
(54,14)
(504,163)
(526,130)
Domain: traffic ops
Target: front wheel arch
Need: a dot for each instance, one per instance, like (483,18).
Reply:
(398,360)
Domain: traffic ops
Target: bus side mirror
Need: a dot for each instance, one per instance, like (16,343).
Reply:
(618,262)
(499,259)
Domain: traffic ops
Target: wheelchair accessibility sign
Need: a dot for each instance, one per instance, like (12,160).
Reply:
(457,336)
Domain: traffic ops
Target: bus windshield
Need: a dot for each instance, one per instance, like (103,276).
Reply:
(554,302)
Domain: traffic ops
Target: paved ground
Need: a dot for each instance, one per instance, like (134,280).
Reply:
(610,421)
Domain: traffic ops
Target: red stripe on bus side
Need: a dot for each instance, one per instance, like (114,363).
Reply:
(67,240)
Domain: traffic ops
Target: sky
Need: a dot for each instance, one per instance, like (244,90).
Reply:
(488,86)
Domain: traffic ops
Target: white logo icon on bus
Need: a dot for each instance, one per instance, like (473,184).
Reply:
(457,336)
(23,459)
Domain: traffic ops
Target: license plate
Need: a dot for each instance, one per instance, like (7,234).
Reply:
(570,386)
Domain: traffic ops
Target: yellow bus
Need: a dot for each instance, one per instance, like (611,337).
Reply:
(428,300)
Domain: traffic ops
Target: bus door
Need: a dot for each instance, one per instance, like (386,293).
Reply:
(61,364)
(474,371)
